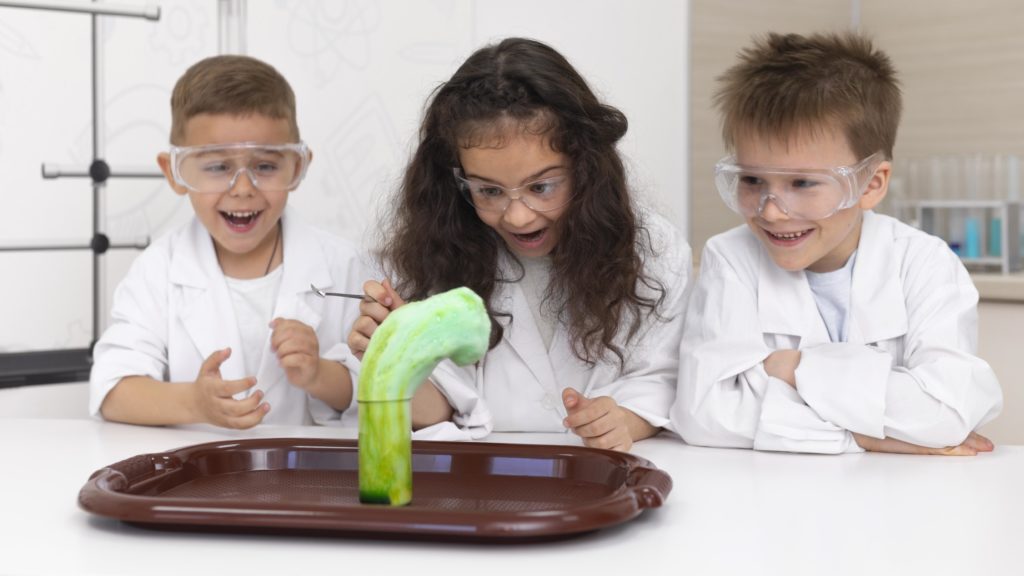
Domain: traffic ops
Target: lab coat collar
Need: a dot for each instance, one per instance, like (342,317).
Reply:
(878,309)
(524,337)
(786,304)
(305,261)
(207,312)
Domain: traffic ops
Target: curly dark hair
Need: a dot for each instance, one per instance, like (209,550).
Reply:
(435,241)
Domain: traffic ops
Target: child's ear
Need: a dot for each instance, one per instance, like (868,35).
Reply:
(163,160)
(877,187)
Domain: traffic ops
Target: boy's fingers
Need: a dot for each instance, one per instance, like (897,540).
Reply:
(211,366)
(979,442)
(251,419)
(228,388)
(296,346)
(237,408)
(291,330)
(961,450)
(295,360)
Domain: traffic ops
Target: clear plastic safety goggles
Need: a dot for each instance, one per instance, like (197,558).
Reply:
(215,169)
(542,195)
(806,194)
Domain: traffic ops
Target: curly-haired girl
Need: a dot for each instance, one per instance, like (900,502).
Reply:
(517,191)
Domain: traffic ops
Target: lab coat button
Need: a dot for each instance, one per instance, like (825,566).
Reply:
(547,403)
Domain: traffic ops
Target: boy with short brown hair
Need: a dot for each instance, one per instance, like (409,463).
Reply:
(217,322)
(821,326)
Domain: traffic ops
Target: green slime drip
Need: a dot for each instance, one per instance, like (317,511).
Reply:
(403,351)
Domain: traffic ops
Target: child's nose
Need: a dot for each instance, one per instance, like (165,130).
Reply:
(771,210)
(518,214)
(243,184)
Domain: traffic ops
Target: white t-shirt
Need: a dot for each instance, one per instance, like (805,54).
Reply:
(832,295)
(253,301)
(536,276)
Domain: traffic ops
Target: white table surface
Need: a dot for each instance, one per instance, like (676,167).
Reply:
(730,512)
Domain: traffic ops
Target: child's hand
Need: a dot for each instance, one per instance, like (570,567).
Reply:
(782,365)
(971,446)
(298,351)
(601,422)
(372,313)
(213,400)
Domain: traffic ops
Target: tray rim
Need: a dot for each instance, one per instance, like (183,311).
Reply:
(644,486)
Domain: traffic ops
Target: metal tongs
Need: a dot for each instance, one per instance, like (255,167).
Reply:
(324,294)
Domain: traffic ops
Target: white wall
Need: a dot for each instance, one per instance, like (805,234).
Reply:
(361,70)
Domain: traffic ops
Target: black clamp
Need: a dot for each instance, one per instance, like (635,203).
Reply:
(100,243)
(99,171)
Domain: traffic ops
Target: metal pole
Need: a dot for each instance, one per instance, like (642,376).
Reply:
(148,12)
(98,153)
(231,27)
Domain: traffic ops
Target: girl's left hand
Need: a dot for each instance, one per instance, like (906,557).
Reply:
(600,421)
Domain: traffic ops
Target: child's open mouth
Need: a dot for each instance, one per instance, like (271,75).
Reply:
(788,238)
(241,221)
(531,240)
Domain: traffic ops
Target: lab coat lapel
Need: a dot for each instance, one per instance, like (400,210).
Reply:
(877,306)
(304,264)
(206,310)
(786,305)
(522,333)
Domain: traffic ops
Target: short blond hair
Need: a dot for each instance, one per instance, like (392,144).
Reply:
(230,84)
(786,85)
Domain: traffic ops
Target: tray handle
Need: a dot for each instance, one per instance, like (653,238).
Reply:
(121,475)
(650,486)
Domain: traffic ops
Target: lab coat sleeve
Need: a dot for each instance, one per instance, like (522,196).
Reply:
(647,384)
(135,342)
(458,385)
(724,397)
(936,392)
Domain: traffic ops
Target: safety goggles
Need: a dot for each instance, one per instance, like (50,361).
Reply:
(215,169)
(811,194)
(542,195)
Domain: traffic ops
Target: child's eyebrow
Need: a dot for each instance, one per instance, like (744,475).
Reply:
(531,178)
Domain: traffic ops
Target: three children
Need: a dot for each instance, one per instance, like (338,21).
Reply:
(820,326)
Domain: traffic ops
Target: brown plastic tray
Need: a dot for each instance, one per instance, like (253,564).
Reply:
(462,491)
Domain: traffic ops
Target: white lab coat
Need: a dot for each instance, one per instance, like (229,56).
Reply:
(517,387)
(908,370)
(173,309)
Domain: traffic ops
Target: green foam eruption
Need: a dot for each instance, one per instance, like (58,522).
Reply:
(403,351)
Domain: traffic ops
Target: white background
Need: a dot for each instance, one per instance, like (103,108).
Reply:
(362,71)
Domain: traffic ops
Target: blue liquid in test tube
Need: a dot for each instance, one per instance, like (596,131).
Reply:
(972,239)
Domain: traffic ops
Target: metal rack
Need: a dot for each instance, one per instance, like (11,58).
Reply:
(73,364)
